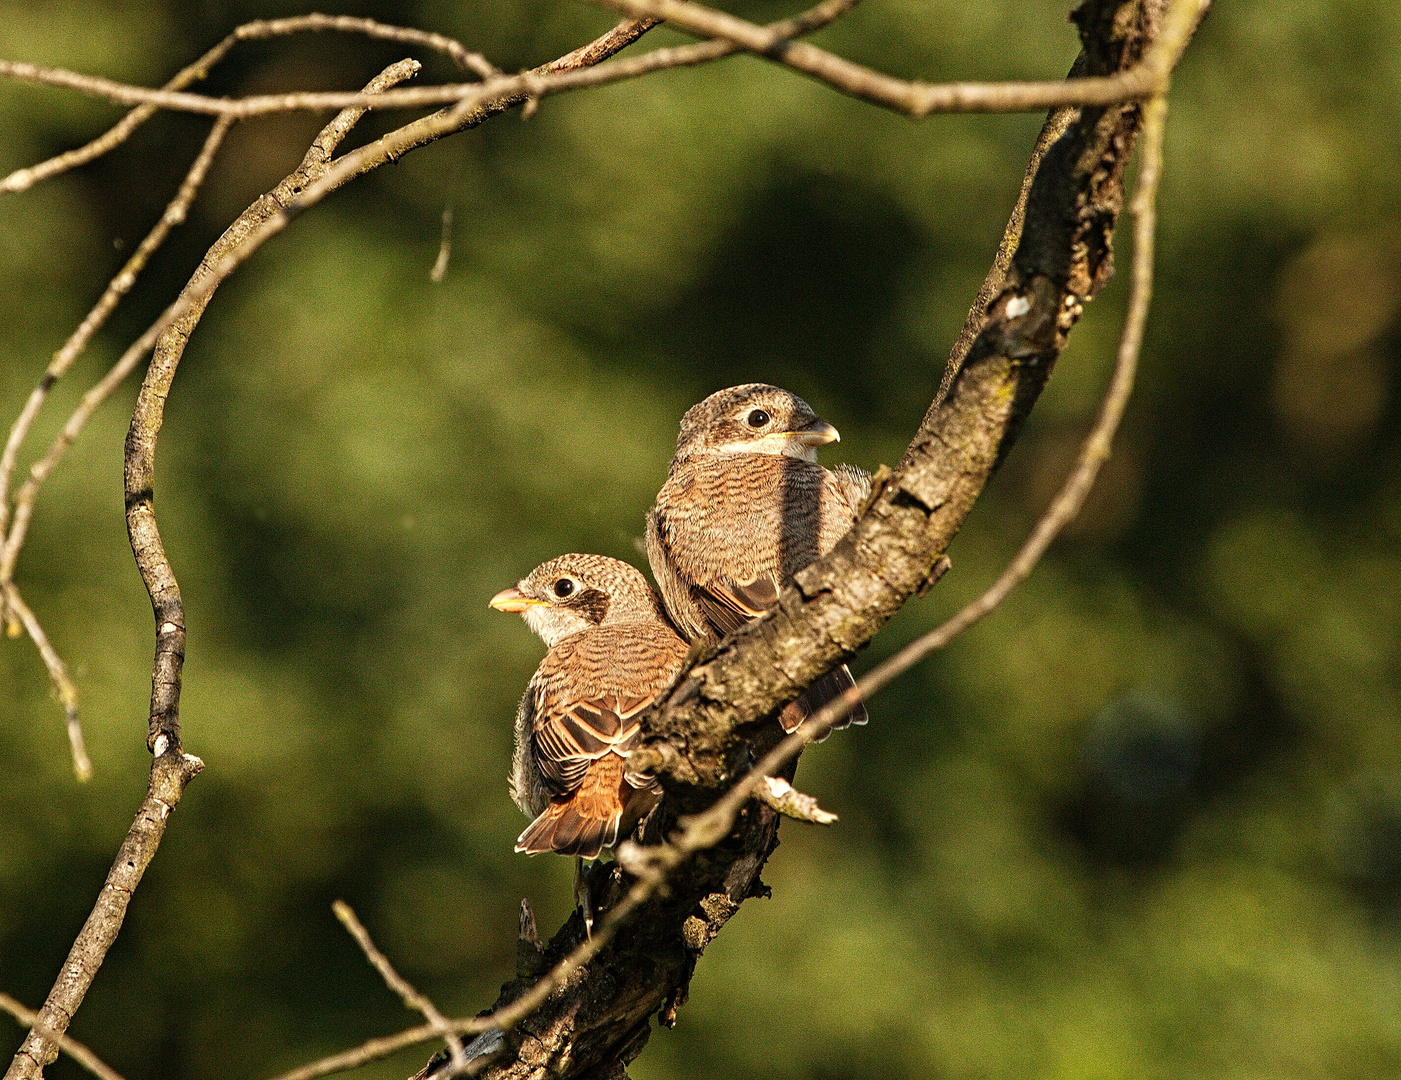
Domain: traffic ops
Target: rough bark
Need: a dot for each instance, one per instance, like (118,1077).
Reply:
(718,719)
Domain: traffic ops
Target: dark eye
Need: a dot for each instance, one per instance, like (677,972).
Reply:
(564,587)
(757,418)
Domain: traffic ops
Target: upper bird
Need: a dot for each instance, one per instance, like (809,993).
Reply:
(744,507)
(611,652)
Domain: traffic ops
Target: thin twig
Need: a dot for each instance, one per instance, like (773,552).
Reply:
(701,52)
(171,768)
(401,986)
(911,98)
(63,359)
(72,1047)
(368,1051)
(919,99)
(58,671)
(259,29)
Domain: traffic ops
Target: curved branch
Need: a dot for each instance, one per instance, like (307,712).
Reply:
(171,768)
(709,728)
(918,99)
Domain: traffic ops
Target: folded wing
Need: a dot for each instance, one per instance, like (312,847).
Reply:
(582,748)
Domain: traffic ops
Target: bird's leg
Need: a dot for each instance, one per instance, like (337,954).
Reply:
(583,896)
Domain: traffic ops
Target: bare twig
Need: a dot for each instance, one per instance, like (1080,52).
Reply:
(171,768)
(401,986)
(911,98)
(778,794)
(58,672)
(72,1047)
(368,1051)
(920,99)
(240,108)
(63,359)
(259,29)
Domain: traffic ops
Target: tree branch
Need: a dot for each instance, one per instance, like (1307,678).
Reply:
(22,179)
(401,986)
(171,768)
(706,730)
(919,99)
(13,603)
(72,1047)
(914,99)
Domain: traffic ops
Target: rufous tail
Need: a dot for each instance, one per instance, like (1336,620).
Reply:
(591,817)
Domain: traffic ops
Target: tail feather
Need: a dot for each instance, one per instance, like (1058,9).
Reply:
(828,688)
(606,806)
(565,831)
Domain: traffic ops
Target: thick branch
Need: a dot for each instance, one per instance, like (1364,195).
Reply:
(709,727)
(841,601)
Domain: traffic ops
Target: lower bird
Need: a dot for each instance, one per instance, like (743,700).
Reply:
(611,652)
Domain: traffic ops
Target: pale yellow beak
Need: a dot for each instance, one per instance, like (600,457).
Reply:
(512,600)
(818,433)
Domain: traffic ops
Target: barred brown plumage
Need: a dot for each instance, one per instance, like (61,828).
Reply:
(611,652)
(744,507)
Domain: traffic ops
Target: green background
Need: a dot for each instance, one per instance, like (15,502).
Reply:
(1145,821)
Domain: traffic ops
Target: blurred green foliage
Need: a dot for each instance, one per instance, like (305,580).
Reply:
(1143,822)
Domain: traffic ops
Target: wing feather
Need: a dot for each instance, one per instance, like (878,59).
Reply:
(569,737)
(728,605)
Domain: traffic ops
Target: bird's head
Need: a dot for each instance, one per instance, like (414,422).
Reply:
(576,592)
(753,419)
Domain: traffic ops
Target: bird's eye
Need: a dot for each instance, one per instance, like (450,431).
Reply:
(564,587)
(757,419)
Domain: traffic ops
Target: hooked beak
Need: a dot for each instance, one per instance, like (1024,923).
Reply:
(512,600)
(818,433)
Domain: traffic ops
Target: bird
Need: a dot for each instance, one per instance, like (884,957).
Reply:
(611,653)
(744,507)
